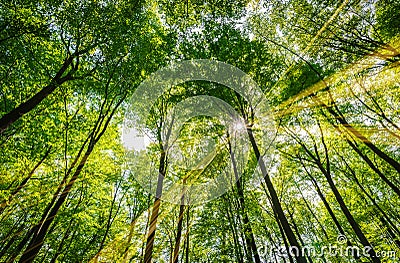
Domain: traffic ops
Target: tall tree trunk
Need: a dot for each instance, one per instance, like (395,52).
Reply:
(296,229)
(45,213)
(36,242)
(61,244)
(274,243)
(12,235)
(187,236)
(326,204)
(110,220)
(326,172)
(248,231)
(232,224)
(146,227)
(379,111)
(67,231)
(335,112)
(363,239)
(156,206)
(40,230)
(180,223)
(285,241)
(31,103)
(276,205)
(373,167)
(393,236)
(376,205)
(65,253)
(312,212)
(24,182)
(128,242)
(333,109)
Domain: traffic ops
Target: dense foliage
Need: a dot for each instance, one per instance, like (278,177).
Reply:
(71,190)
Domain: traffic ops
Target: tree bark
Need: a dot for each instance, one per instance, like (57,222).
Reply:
(276,205)
(180,223)
(31,103)
(36,242)
(326,172)
(40,230)
(24,182)
(248,231)
(156,206)
(232,224)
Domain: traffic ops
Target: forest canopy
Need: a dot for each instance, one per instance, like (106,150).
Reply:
(199,131)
